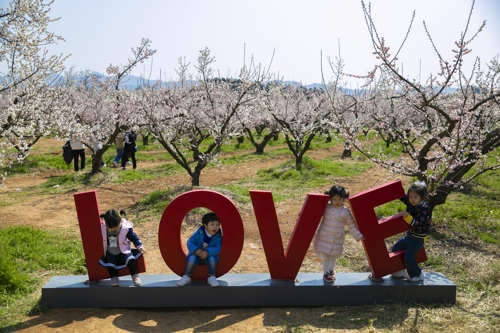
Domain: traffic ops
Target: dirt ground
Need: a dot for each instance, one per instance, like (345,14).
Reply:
(58,211)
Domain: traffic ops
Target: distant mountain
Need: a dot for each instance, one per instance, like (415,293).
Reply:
(132,82)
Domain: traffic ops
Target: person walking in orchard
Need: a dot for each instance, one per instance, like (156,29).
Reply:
(129,149)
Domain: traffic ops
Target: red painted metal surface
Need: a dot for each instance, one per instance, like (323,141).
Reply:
(285,266)
(381,261)
(169,232)
(87,209)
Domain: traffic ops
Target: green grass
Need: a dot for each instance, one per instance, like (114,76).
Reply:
(26,255)
(285,182)
(39,163)
(156,202)
(389,209)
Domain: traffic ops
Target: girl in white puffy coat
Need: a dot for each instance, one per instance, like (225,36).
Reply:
(328,241)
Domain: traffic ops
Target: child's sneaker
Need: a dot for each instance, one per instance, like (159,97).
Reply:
(402,274)
(115,281)
(329,277)
(213,281)
(417,278)
(184,280)
(115,164)
(136,279)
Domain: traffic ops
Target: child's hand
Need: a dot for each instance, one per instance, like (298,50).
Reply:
(198,252)
(203,254)
(407,217)
(142,250)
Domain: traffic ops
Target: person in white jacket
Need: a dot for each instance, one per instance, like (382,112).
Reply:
(328,241)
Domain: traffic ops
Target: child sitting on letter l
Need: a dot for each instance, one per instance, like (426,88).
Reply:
(117,233)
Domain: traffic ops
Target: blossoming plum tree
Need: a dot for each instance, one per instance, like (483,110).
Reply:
(99,109)
(185,115)
(27,98)
(301,114)
(451,133)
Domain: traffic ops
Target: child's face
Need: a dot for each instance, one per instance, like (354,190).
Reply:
(337,201)
(212,227)
(114,228)
(414,198)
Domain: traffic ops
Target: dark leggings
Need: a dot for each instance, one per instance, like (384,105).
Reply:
(79,153)
(129,152)
(131,267)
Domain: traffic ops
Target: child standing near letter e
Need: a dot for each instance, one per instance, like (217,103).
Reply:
(328,242)
(204,247)
(418,215)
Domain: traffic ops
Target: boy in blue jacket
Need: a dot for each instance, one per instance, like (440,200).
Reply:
(204,248)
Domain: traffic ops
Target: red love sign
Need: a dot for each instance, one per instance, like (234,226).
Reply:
(282,265)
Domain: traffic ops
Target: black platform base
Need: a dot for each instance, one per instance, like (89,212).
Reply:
(309,289)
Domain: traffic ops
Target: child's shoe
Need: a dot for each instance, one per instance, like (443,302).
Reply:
(417,278)
(329,277)
(136,279)
(213,281)
(184,280)
(402,274)
(114,281)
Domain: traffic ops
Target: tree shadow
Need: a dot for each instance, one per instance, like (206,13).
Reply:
(379,316)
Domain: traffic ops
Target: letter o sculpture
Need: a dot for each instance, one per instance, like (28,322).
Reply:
(169,231)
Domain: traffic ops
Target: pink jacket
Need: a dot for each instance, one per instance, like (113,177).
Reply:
(329,238)
(123,237)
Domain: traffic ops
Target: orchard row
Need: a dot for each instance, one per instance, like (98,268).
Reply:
(444,130)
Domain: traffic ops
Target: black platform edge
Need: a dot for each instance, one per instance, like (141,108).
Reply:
(241,290)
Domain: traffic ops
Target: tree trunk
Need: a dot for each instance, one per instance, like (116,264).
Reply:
(96,160)
(240,139)
(259,148)
(145,139)
(195,178)
(298,162)
(196,155)
(346,153)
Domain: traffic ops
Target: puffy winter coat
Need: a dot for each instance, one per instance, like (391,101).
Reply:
(329,238)
(125,236)
(195,242)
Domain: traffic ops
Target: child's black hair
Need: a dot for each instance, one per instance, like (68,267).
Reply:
(209,217)
(420,188)
(338,190)
(112,218)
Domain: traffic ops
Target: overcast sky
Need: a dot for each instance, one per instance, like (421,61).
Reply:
(100,32)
